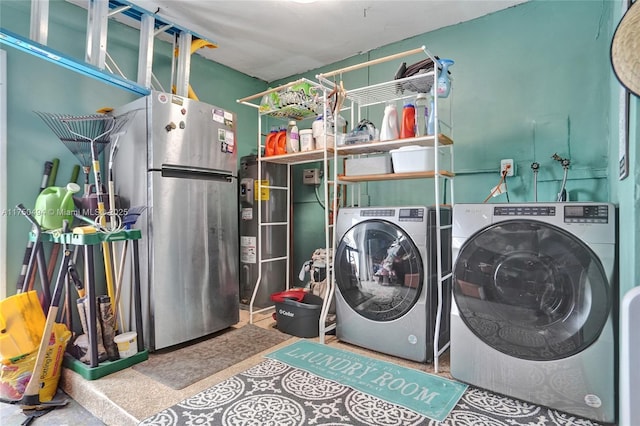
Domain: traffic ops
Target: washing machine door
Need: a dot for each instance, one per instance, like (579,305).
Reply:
(378,270)
(531,290)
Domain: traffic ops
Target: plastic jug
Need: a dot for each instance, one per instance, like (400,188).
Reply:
(408,128)
(422,114)
(270,143)
(281,142)
(54,205)
(389,129)
(293,137)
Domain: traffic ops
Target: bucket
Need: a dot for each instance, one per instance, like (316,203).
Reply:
(301,318)
(127,344)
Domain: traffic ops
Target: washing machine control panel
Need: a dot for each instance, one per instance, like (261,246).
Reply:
(591,213)
(524,211)
(378,212)
(586,214)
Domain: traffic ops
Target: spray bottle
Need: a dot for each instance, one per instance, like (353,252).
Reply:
(444,83)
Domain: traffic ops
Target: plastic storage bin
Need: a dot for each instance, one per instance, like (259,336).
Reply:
(374,165)
(413,158)
(299,318)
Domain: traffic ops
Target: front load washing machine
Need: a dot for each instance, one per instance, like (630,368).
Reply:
(387,280)
(531,317)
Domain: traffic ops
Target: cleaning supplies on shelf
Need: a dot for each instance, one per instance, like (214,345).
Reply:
(389,129)
(270,143)
(444,83)
(421,114)
(281,141)
(431,125)
(408,127)
(306,140)
(293,137)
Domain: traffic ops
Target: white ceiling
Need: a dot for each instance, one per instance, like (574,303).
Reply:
(271,39)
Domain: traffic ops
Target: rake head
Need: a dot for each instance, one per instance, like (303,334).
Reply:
(78,132)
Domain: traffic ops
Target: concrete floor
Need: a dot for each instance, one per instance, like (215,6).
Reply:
(126,397)
(72,414)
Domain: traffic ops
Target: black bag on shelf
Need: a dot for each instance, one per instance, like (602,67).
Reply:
(415,86)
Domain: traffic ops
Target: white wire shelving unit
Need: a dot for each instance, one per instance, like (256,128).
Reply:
(355,102)
(289,112)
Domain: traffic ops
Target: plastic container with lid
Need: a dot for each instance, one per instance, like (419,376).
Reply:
(306,140)
(412,158)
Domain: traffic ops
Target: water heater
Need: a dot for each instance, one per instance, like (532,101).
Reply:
(274,238)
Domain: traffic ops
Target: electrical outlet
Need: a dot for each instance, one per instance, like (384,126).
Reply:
(509,166)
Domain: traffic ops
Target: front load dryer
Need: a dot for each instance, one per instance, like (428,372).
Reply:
(387,279)
(531,317)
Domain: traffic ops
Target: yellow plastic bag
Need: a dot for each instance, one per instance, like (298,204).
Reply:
(21,323)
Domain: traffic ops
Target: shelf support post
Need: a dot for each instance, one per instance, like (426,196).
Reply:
(39,29)
(97,22)
(145,55)
(184,64)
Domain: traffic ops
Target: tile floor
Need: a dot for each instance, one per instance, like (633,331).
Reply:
(126,397)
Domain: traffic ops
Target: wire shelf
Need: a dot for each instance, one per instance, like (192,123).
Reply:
(401,88)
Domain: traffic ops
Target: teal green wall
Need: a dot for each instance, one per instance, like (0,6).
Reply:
(37,85)
(626,193)
(530,81)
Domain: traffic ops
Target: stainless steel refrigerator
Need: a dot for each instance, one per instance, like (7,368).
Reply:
(178,158)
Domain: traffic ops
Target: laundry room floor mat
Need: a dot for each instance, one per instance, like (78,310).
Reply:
(275,393)
(182,367)
(427,394)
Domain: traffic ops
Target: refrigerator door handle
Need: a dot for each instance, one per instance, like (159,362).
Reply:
(190,172)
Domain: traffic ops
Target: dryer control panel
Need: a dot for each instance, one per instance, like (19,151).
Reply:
(411,215)
(586,214)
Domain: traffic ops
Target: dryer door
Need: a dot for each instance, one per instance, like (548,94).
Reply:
(378,270)
(531,290)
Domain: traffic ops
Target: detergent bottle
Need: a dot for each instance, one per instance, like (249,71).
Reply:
(54,205)
(389,129)
(270,142)
(281,141)
(408,126)
(422,114)
(293,137)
